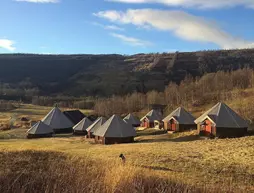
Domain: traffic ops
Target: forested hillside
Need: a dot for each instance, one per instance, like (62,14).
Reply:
(104,75)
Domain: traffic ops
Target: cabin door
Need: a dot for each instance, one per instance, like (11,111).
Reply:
(146,124)
(208,127)
(168,126)
(143,124)
(173,125)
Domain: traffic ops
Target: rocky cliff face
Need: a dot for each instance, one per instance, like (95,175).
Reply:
(112,74)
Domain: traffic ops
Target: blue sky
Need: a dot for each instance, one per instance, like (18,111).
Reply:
(124,26)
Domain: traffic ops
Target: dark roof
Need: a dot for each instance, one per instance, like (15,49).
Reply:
(92,117)
(57,120)
(74,115)
(115,127)
(83,125)
(223,116)
(153,115)
(40,128)
(181,115)
(132,120)
(97,124)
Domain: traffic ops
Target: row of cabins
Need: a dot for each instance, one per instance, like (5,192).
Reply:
(219,121)
(111,131)
(54,122)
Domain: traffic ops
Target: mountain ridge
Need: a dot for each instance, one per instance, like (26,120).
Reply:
(108,74)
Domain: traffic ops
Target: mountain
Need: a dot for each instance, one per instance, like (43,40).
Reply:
(104,75)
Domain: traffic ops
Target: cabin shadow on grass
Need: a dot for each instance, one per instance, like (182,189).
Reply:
(162,139)
(151,131)
(186,138)
(163,136)
(66,135)
(47,171)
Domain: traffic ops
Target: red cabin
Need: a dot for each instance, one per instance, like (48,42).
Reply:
(179,120)
(221,121)
(151,119)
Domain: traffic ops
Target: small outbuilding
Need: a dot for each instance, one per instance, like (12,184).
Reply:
(74,115)
(151,119)
(24,119)
(80,128)
(179,120)
(114,131)
(58,121)
(40,130)
(93,127)
(25,122)
(130,119)
(221,121)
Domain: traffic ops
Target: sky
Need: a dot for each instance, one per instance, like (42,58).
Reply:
(124,26)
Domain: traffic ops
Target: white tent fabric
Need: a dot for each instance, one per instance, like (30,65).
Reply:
(115,127)
(99,122)
(223,116)
(181,116)
(153,115)
(131,120)
(57,120)
(82,125)
(40,128)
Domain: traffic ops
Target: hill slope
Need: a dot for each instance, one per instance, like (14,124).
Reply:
(105,75)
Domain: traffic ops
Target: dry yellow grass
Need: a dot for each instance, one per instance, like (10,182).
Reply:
(157,162)
(32,112)
(227,163)
(47,171)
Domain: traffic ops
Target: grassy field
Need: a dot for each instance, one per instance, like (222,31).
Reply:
(225,164)
(156,162)
(32,112)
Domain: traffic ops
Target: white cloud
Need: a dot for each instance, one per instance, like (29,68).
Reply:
(39,1)
(114,27)
(203,4)
(7,44)
(182,24)
(108,27)
(171,50)
(47,53)
(131,40)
